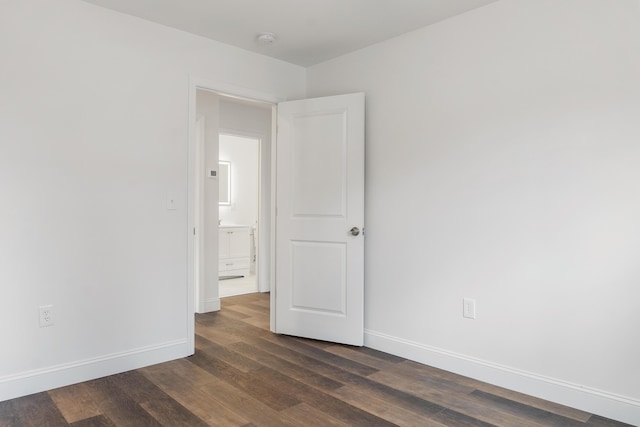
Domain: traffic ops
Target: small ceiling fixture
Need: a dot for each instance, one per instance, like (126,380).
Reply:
(266,39)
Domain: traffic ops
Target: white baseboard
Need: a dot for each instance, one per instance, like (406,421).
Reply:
(598,402)
(84,370)
(264,287)
(212,304)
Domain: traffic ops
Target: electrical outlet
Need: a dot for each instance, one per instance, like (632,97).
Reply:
(469,308)
(46,315)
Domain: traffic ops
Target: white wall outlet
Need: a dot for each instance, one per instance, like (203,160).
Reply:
(469,308)
(46,316)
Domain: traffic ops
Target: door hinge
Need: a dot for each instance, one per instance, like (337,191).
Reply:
(194,231)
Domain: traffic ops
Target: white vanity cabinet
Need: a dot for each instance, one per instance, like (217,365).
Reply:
(234,250)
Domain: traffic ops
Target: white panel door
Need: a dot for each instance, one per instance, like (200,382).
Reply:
(320,219)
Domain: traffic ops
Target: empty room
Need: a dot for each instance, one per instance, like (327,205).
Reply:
(444,212)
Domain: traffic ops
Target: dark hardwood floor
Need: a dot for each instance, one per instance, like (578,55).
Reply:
(242,375)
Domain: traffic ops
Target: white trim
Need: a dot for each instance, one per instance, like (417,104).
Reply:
(191,219)
(198,244)
(274,212)
(588,399)
(231,90)
(38,380)
(212,304)
(227,89)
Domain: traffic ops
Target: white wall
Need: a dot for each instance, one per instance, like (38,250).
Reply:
(93,139)
(503,165)
(242,152)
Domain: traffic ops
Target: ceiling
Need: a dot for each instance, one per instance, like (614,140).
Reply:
(308,31)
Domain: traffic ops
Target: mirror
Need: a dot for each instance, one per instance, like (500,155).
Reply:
(224,181)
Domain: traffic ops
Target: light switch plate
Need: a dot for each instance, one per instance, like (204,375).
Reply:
(469,308)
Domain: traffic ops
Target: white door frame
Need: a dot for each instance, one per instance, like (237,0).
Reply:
(230,90)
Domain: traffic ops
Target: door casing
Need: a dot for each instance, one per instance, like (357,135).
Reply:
(193,198)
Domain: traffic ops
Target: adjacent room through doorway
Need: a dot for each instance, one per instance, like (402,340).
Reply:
(232,167)
(238,213)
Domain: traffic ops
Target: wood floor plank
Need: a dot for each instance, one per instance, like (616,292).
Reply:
(38,410)
(96,421)
(431,386)
(255,387)
(311,417)
(416,370)
(366,401)
(251,408)
(315,343)
(381,355)
(326,357)
(219,335)
(180,373)
(155,401)
(596,421)
(185,384)
(8,414)
(546,418)
(239,327)
(224,353)
(210,319)
(359,356)
(117,405)
(453,418)
(75,403)
(258,322)
(297,372)
(245,299)
(245,309)
(535,402)
(258,307)
(458,402)
(263,302)
(338,409)
(302,360)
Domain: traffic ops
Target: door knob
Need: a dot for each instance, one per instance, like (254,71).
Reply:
(355,231)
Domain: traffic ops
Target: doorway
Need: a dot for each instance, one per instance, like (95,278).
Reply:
(238,212)
(336,122)
(218,117)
